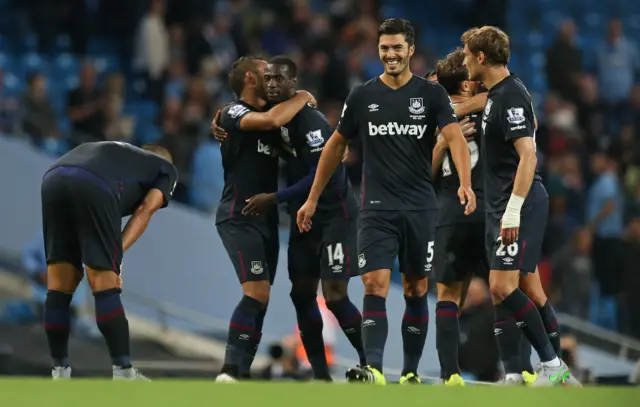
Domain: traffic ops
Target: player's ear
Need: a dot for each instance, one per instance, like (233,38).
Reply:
(412,50)
(481,57)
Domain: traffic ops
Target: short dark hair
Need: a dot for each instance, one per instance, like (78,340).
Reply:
(239,70)
(452,72)
(395,26)
(491,41)
(159,150)
(286,61)
(429,73)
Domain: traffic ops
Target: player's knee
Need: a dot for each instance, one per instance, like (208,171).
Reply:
(450,292)
(500,290)
(376,283)
(334,290)
(102,280)
(532,287)
(415,287)
(63,277)
(258,290)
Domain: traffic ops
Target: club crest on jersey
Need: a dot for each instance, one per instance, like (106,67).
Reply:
(314,138)
(256,267)
(361,260)
(284,133)
(416,106)
(515,115)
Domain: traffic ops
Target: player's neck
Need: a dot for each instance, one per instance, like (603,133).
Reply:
(396,82)
(459,98)
(250,97)
(495,75)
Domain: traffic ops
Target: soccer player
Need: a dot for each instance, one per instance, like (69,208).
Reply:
(396,115)
(250,165)
(85,195)
(516,202)
(328,252)
(459,248)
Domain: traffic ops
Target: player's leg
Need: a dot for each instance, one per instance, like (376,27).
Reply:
(508,298)
(98,218)
(304,273)
(273,252)
(531,285)
(377,250)
(416,255)
(64,270)
(449,271)
(337,265)
(245,245)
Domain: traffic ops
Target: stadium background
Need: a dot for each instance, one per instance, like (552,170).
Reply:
(155,71)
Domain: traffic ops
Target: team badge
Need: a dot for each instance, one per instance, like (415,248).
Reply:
(256,267)
(361,260)
(416,106)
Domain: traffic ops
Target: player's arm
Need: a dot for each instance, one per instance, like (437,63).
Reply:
(140,219)
(277,116)
(157,197)
(452,134)
(473,105)
(519,121)
(438,155)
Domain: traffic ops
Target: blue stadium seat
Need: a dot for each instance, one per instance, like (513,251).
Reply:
(65,65)
(6,62)
(106,64)
(33,62)
(13,85)
(142,110)
(146,132)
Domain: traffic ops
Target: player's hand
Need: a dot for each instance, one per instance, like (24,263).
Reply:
(218,132)
(509,235)
(311,100)
(258,204)
(467,198)
(468,128)
(305,213)
(510,222)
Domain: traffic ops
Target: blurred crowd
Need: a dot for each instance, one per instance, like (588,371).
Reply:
(155,71)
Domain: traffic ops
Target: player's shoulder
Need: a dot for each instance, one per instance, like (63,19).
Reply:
(364,87)
(310,112)
(236,109)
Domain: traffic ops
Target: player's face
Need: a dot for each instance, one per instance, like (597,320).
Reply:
(395,53)
(257,78)
(279,86)
(473,64)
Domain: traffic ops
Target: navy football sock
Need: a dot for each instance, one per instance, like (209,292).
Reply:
(375,328)
(350,321)
(550,322)
(114,326)
(525,311)
(252,346)
(57,325)
(310,326)
(415,324)
(507,336)
(241,327)
(447,337)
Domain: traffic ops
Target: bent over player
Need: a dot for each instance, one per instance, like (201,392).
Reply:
(516,201)
(85,195)
(250,167)
(396,115)
(459,249)
(327,253)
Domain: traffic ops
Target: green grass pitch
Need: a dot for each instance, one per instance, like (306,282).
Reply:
(187,393)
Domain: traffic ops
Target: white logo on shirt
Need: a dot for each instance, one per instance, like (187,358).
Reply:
(344,109)
(373,107)
(515,115)
(237,110)
(264,148)
(284,133)
(487,108)
(314,138)
(416,106)
(396,129)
